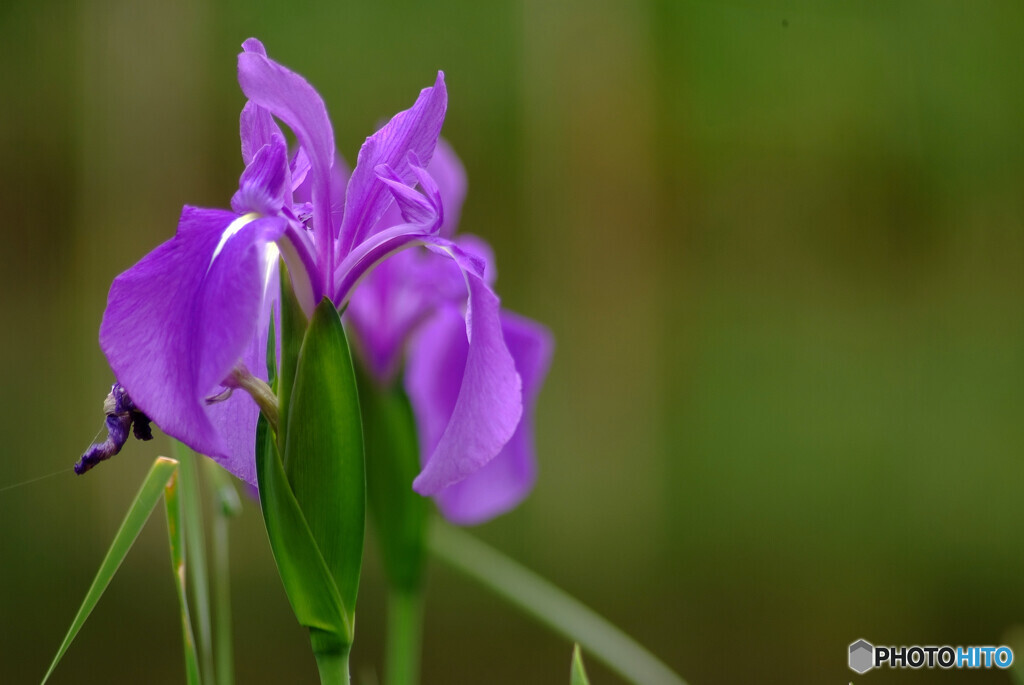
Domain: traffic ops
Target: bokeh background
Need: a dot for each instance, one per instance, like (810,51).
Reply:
(780,245)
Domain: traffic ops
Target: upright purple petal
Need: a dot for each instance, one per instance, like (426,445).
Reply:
(423,209)
(413,130)
(291,99)
(339,181)
(256,128)
(177,322)
(262,186)
(447,170)
(504,482)
(422,213)
(462,435)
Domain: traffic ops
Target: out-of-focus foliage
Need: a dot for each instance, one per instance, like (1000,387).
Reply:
(780,245)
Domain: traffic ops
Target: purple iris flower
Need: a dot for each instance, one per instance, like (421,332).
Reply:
(188,323)
(412,305)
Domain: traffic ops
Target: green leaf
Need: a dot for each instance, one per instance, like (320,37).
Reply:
(176,537)
(392,462)
(142,506)
(323,449)
(577,674)
(307,581)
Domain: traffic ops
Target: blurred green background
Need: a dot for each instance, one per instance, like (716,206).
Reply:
(780,245)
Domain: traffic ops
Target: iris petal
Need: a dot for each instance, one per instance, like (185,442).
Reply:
(487,389)
(413,130)
(503,482)
(177,322)
(261,188)
(256,128)
(450,175)
(291,99)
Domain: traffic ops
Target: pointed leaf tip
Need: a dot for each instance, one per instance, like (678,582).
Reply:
(578,675)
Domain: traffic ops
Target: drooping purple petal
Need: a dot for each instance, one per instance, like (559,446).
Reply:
(291,99)
(415,129)
(481,251)
(236,417)
(504,482)
(178,321)
(461,436)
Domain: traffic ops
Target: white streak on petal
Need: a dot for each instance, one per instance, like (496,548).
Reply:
(233,228)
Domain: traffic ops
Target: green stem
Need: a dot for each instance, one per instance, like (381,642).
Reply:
(404,633)
(331,658)
(549,605)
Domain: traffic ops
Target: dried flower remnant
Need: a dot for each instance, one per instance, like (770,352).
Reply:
(122,415)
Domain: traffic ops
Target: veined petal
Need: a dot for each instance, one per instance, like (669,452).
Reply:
(232,298)
(416,130)
(291,99)
(504,482)
(463,435)
(447,170)
(396,296)
(177,322)
(236,417)
(256,128)
(416,208)
(399,293)
(339,180)
(262,187)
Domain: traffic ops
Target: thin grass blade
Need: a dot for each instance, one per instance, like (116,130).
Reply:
(176,537)
(195,559)
(162,471)
(226,506)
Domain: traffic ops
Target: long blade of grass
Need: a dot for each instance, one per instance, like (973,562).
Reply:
(226,506)
(195,559)
(549,605)
(177,541)
(145,501)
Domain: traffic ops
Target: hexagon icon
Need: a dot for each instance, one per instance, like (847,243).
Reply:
(862,656)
